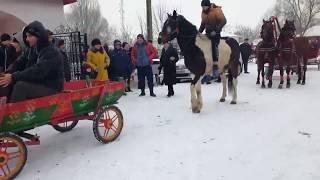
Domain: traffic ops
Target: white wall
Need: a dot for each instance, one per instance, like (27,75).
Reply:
(49,12)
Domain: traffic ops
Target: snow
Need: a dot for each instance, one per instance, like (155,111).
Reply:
(263,137)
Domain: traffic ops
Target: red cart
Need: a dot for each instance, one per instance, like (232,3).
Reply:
(62,111)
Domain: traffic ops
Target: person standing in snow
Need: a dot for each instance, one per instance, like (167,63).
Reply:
(142,55)
(127,49)
(120,66)
(168,59)
(98,60)
(246,51)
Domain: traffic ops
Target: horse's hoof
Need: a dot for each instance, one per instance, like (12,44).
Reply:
(280,86)
(269,85)
(299,82)
(303,83)
(258,82)
(263,86)
(197,111)
(222,100)
(233,102)
(288,86)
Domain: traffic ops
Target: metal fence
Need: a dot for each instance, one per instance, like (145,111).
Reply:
(76,48)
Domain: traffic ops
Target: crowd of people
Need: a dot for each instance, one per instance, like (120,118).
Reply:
(34,64)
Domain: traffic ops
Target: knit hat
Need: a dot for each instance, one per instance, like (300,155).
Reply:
(5,37)
(140,36)
(205,3)
(95,42)
(116,41)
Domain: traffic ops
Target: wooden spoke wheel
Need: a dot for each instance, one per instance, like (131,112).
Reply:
(66,126)
(13,155)
(108,124)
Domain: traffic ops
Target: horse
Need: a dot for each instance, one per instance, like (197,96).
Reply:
(197,52)
(287,52)
(266,51)
(304,50)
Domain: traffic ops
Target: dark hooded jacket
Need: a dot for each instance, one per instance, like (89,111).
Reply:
(42,64)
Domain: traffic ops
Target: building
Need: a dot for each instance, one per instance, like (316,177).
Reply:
(15,14)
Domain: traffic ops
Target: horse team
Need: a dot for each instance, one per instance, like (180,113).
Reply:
(283,52)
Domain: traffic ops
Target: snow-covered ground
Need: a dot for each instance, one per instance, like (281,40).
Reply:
(270,134)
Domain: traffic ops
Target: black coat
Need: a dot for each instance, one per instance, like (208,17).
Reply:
(66,66)
(48,68)
(168,65)
(245,50)
(120,65)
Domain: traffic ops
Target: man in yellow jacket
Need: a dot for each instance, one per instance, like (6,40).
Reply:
(98,60)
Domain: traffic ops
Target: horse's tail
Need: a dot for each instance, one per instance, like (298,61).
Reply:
(230,83)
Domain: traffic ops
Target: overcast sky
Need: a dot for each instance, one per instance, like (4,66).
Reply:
(245,12)
(237,12)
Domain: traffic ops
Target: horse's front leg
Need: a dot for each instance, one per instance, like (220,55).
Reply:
(288,76)
(304,73)
(235,89)
(224,85)
(194,98)
(269,75)
(199,95)
(281,77)
(263,85)
(259,71)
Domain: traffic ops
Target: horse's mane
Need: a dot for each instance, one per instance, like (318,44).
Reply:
(188,27)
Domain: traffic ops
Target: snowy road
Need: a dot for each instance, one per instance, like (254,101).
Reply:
(262,138)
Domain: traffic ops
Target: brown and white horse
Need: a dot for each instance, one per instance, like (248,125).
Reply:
(197,52)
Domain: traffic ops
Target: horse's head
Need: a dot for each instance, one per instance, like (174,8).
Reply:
(289,29)
(170,29)
(267,30)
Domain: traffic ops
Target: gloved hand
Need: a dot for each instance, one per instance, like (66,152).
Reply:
(213,33)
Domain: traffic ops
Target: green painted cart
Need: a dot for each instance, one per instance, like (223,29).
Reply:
(79,101)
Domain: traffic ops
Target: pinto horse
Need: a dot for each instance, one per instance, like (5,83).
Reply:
(266,51)
(287,52)
(197,52)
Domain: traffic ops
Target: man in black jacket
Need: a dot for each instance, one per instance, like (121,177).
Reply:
(43,76)
(246,51)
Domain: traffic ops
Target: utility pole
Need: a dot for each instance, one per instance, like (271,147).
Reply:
(149,20)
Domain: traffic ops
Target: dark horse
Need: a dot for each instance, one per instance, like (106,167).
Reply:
(266,51)
(196,49)
(299,48)
(287,52)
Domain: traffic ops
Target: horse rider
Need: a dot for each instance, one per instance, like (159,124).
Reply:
(213,20)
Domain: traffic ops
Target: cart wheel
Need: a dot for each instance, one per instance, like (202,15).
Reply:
(13,155)
(66,126)
(108,124)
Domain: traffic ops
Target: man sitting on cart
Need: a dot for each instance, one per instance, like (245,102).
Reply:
(43,78)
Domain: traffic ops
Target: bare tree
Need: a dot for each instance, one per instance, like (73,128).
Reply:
(126,35)
(86,17)
(142,24)
(245,32)
(303,12)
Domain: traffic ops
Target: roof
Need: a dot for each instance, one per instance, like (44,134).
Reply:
(65,2)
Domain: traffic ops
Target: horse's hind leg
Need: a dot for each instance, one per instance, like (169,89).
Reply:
(224,85)
(288,77)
